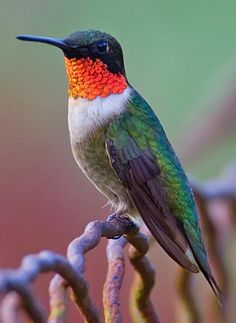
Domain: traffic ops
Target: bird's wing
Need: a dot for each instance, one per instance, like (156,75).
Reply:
(129,147)
(132,143)
(140,176)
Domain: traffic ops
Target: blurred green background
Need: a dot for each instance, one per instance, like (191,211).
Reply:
(179,55)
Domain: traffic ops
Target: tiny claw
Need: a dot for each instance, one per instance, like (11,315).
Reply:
(112,216)
(119,216)
(116,237)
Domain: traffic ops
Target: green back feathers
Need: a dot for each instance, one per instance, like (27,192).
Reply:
(147,165)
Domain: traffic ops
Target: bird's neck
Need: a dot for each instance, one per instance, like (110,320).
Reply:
(85,116)
(89,79)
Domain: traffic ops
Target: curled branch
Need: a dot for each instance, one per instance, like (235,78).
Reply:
(144,279)
(111,290)
(10,308)
(70,272)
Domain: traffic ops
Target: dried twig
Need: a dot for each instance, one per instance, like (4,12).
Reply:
(143,283)
(11,308)
(144,280)
(116,268)
(58,300)
(70,273)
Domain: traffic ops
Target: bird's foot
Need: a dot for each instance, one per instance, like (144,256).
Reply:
(125,219)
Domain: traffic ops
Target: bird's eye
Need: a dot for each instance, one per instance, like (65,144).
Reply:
(102,46)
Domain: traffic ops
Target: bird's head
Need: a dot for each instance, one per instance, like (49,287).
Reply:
(94,62)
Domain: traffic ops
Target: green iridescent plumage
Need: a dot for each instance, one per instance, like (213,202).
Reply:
(138,133)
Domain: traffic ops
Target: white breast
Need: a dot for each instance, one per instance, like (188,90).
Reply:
(85,116)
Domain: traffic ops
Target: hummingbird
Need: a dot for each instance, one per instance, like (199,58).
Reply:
(120,145)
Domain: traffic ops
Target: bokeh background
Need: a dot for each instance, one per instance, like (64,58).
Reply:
(180,55)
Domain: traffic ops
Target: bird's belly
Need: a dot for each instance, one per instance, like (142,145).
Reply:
(92,158)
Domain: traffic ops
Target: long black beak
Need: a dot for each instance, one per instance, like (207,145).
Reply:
(47,40)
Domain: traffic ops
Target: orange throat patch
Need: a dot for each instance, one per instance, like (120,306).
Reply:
(88,79)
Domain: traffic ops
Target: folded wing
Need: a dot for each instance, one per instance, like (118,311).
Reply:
(139,171)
